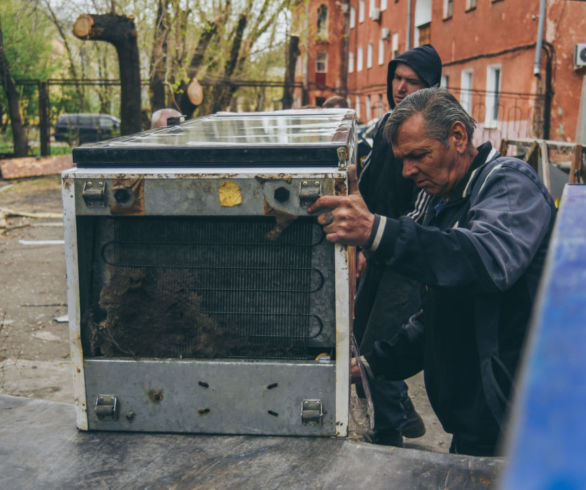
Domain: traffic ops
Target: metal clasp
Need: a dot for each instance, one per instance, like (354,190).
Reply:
(309,192)
(94,193)
(312,412)
(342,158)
(107,406)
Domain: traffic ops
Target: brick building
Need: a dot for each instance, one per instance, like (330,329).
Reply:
(488,48)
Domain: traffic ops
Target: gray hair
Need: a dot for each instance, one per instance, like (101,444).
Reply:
(440,110)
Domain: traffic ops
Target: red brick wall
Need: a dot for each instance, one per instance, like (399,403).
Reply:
(501,33)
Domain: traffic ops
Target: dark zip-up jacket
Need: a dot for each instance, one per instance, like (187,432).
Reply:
(480,257)
(381,183)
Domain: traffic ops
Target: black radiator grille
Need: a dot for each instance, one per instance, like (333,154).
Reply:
(206,287)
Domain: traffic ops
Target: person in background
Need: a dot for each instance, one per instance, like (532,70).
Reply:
(161,117)
(479,249)
(335,101)
(386,298)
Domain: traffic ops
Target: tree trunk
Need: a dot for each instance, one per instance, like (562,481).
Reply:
(118,30)
(186,105)
(222,93)
(159,58)
(292,54)
(18,134)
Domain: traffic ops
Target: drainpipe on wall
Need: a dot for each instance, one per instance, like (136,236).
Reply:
(548,89)
(548,48)
(346,50)
(409,14)
(539,44)
(305,92)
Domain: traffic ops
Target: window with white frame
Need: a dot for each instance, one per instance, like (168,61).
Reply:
(321,62)
(371,7)
(352,17)
(470,4)
(493,92)
(357,108)
(379,106)
(322,21)
(445,81)
(448,8)
(422,22)
(368,109)
(395,45)
(359,59)
(381,51)
(299,66)
(369,56)
(466,91)
(361,11)
(383,5)
(351,62)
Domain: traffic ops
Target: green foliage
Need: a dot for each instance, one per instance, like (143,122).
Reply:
(27,38)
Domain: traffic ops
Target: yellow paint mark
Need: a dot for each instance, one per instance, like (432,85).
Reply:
(230,194)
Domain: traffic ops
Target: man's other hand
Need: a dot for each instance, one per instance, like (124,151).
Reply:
(354,371)
(347,220)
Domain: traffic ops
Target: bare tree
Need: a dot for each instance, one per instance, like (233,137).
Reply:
(18,133)
(120,31)
(72,70)
(292,53)
(159,57)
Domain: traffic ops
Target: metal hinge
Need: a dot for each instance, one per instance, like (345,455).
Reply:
(312,412)
(107,406)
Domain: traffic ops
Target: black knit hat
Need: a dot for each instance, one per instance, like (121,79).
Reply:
(424,60)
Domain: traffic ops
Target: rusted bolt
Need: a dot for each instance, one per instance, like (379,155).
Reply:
(156,396)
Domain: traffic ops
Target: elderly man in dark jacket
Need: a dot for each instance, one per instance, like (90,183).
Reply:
(479,251)
(386,298)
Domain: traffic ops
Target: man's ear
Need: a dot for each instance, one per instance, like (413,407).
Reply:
(458,137)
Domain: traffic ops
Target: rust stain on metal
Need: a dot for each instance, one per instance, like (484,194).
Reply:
(128,197)
(282,221)
(265,178)
(156,396)
(341,188)
(230,194)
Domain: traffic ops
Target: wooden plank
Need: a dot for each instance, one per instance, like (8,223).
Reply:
(15,168)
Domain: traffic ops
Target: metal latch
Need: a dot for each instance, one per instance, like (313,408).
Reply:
(309,192)
(312,412)
(342,158)
(94,193)
(107,406)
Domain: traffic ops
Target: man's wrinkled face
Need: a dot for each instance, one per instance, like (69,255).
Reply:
(427,161)
(405,82)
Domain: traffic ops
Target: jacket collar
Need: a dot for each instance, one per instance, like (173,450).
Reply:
(486,153)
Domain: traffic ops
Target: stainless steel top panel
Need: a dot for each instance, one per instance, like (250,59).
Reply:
(306,137)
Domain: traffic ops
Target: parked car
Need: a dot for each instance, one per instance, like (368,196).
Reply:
(86,128)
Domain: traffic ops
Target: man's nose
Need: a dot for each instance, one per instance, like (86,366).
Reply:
(409,170)
(402,86)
